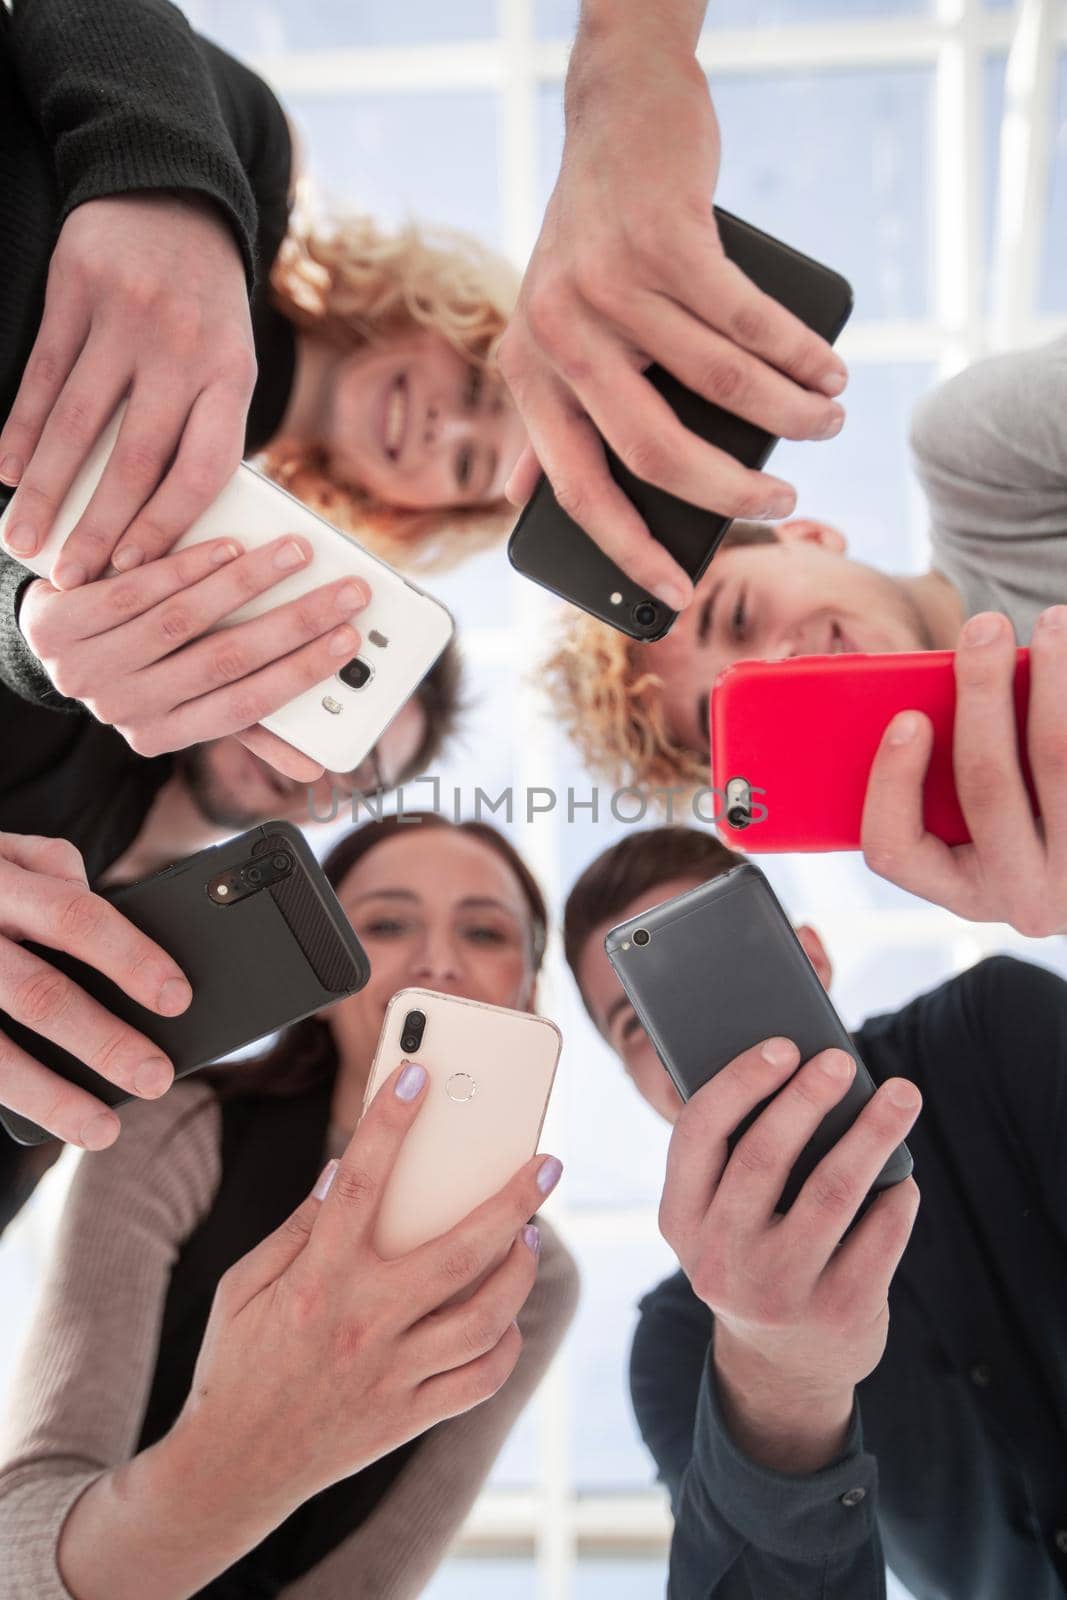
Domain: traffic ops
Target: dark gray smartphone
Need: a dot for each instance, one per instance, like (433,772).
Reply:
(718,969)
(257,929)
(547,546)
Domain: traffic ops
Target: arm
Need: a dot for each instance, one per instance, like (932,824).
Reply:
(396,1551)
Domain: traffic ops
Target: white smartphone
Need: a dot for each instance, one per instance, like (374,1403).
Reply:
(491,1072)
(403,628)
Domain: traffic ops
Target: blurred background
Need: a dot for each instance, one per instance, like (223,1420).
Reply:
(889,139)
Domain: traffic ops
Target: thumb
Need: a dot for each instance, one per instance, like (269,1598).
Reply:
(524,477)
(274,1255)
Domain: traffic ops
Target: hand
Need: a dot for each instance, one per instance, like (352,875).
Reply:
(44,897)
(800,1317)
(146,294)
(130,647)
(620,279)
(319,1357)
(1015,868)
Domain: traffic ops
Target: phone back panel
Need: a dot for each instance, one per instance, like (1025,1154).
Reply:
(490,1075)
(255,965)
(403,629)
(722,971)
(805,732)
(549,547)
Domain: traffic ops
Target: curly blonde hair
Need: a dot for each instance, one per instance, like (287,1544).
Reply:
(608,697)
(352,282)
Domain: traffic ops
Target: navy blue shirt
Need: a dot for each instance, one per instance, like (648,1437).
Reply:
(955,1469)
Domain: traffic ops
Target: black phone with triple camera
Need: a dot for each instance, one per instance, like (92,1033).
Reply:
(717,970)
(258,931)
(549,547)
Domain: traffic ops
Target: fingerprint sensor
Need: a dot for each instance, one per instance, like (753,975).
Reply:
(460,1086)
(377,638)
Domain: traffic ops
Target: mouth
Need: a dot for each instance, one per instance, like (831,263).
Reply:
(393,417)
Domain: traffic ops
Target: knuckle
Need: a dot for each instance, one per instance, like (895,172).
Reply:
(572,499)
(481,1333)
(141,739)
(247,709)
(137,463)
(982,778)
(721,380)
(460,1264)
(46,368)
(42,997)
(228,663)
(754,1153)
(202,474)
(746,324)
(312,616)
(648,458)
(881,858)
(354,1185)
(348,1342)
(303,1292)
(76,420)
(81,916)
(62,856)
(123,598)
(547,316)
(834,1191)
(240,369)
(749,499)
(176,623)
(107,1057)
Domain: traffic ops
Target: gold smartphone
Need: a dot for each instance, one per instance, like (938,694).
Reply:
(490,1072)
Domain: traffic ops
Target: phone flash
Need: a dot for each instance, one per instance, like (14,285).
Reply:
(223,888)
(331,705)
(616,598)
(626,944)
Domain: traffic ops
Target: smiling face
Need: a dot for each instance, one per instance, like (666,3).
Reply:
(414,424)
(799,596)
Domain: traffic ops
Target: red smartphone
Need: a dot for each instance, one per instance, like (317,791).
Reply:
(792,743)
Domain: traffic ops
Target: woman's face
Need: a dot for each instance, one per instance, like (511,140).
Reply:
(438,909)
(417,426)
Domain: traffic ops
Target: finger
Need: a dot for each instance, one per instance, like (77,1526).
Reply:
(893,833)
(52,1005)
(766,1154)
(698,1151)
(447,1265)
(720,370)
(70,917)
(350,1211)
(147,439)
(838,1186)
(458,1334)
(572,455)
(282,757)
(451,1393)
(861,1271)
(63,331)
(234,653)
(985,756)
(209,454)
(1046,734)
(55,858)
(726,299)
(267,1261)
(82,410)
(524,479)
(62,1108)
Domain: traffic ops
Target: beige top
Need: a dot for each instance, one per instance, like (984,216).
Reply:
(79,1394)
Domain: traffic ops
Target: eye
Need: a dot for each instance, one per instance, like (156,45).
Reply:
(631,1026)
(385,927)
(484,934)
(472,388)
(738,618)
(464,460)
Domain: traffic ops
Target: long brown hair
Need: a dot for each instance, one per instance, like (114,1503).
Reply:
(304,1054)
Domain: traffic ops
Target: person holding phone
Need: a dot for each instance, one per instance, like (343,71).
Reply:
(818,1401)
(221,1354)
(990,449)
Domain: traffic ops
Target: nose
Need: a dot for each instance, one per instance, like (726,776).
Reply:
(435,960)
(446,428)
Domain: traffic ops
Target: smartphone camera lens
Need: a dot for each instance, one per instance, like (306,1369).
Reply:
(254,874)
(641,936)
(738,817)
(281,862)
(414,1028)
(355,673)
(645,614)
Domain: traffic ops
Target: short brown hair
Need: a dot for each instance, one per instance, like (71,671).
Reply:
(632,867)
(608,696)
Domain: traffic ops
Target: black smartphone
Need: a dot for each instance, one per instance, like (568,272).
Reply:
(257,930)
(718,969)
(547,546)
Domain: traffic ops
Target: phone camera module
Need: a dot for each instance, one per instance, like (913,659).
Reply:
(645,614)
(641,936)
(254,874)
(355,673)
(738,816)
(281,862)
(414,1028)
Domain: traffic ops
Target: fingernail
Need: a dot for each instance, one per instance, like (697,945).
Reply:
(833,427)
(153,1077)
(672,596)
(174,996)
(129,556)
(350,596)
(837,1064)
(99,1131)
(1054,619)
(549,1174)
(832,383)
(225,552)
(982,629)
(780,505)
(22,539)
(903,1095)
(780,1052)
(71,575)
(326,1177)
(11,469)
(289,556)
(531,1237)
(904,728)
(345,642)
(410,1081)
(508,487)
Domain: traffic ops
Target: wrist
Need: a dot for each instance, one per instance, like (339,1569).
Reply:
(779,1420)
(230,1490)
(619,46)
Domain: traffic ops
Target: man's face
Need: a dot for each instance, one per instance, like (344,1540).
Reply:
(236,789)
(799,596)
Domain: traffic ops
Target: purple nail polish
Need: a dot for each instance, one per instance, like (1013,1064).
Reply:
(549,1174)
(531,1236)
(410,1081)
(326,1177)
